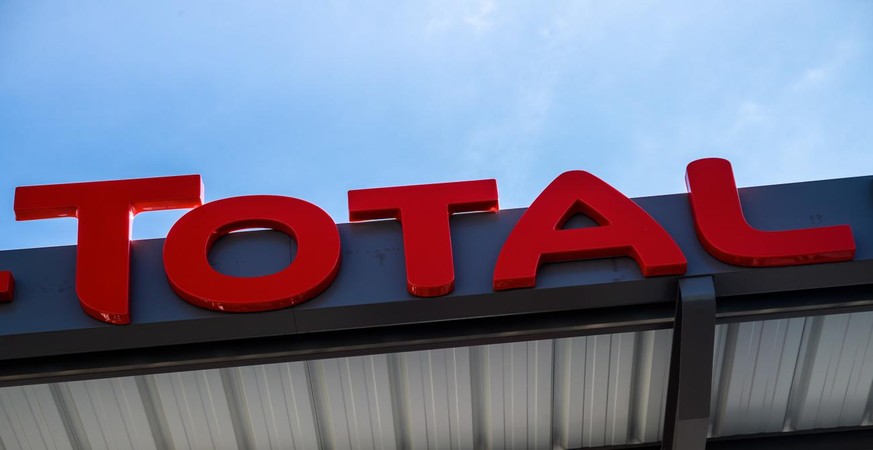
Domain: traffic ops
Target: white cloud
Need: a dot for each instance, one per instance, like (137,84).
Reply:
(481,19)
(824,72)
(478,16)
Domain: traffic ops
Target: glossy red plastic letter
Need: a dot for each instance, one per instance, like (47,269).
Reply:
(424,211)
(7,286)
(313,269)
(625,230)
(105,210)
(724,232)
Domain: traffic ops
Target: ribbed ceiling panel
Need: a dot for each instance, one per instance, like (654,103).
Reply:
(771,376)
(650,385)
(752,375)
(107,414)
(31,418)
(832,384)
(610,389)
(792,374)
(275,406)
(352,399)
(434,400)
(514,394)
(193,409)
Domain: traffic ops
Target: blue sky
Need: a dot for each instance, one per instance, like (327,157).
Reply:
(311,99)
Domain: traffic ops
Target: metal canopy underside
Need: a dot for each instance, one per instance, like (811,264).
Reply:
(768,376)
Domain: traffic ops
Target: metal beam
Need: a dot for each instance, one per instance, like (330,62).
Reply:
(226,353)
(690,384)
(843,438)
(336,344)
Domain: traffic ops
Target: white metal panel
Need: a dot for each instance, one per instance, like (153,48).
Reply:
(276,407)
(593,387)
(755,364)
(353,402)
(30,419)
(576,392)
(514,388)
(835,371)
(195,409)
(434,400)
(108,414)
(650,385)
(494,396)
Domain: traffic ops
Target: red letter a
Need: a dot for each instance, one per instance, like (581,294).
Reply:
(626,230)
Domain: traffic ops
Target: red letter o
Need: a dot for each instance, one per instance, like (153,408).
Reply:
(312,271)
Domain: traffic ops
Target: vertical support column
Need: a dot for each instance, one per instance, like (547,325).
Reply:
(688,391)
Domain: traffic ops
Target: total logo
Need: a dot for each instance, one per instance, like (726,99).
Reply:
(105,211)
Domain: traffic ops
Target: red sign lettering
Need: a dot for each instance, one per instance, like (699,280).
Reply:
(423,211)
(625,230)
(7,286)
(105,210)
(313,269)
(724,232)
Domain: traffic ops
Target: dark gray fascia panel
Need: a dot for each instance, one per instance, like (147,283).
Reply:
(370,291)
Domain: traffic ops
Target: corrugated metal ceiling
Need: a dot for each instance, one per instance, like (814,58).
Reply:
(768,376)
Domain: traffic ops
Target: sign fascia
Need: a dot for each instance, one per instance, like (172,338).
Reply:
(372,285)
